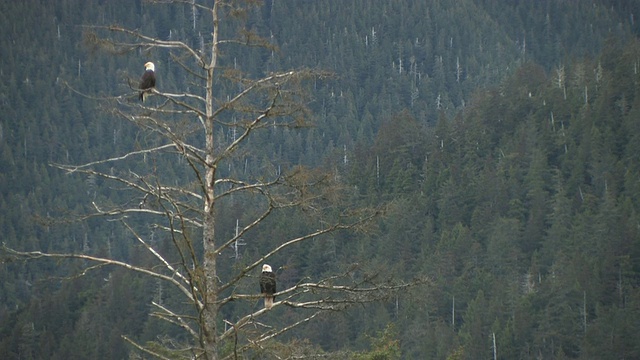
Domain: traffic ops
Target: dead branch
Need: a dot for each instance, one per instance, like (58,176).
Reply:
(174,318)
(27,255)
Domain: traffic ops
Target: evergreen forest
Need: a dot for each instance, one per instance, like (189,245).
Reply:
(502,139)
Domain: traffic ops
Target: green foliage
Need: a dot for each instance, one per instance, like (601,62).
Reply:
(514,187)
(385,346)
(458,354)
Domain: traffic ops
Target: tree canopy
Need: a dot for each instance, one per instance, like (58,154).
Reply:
(501,138)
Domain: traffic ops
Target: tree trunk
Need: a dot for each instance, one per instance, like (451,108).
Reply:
(209,332)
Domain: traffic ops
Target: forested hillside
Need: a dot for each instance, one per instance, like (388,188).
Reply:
(502,137)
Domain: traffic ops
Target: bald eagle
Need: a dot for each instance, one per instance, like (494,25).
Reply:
(268,285)
(148,80)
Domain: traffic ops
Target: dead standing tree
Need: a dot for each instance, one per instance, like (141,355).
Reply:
(187,212)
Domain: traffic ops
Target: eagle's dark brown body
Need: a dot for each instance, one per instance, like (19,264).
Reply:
(268,286)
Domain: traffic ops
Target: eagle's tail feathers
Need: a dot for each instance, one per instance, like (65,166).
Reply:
(268,302)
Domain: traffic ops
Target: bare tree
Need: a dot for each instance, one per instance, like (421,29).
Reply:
(188,128)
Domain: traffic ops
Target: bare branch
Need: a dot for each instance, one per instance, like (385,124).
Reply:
(151,42)
(74,168)
(355,290)
(174,318)
(144,349)
(270,335)
(311,235)
(102,261)
(325,302)
(171,269)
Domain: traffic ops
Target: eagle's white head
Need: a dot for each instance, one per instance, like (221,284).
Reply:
(149,66)
(266,268)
